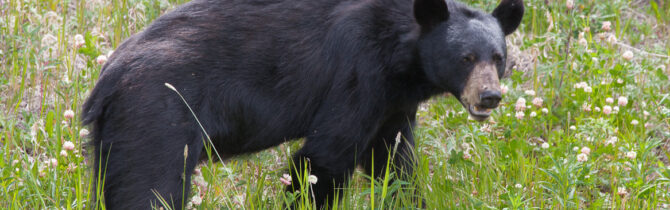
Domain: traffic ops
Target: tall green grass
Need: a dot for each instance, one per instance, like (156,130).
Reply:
(537,160)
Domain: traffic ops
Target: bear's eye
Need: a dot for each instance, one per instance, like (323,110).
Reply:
(497,58)
(469,58)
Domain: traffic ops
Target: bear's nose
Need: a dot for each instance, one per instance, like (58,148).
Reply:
(489,98)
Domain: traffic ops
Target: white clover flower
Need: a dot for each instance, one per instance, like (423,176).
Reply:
(622,101)
(607,109)
(466,146)
(545,110)
(580,85)
(628,55)
(609,100)
(597,109)
(622,191)
(581,157)
(529,92)
(607,26)
(586,107)
(53,162)
(68,114)
(68,145)
(533,114)
(569,4)
(575,149)
(503,88)
(612,140)
(611,38)
(519,115)
(648,125)
(545,145)
(79,40)
(196,200)
(586,150)
(634,122)
(645,113)
(588,89)
(83,132)
(615,109)
(63,153)
(631,154)
(101,59)
(520,104)
(285,179)
(466,155)
(537,101)
(582,41)
(572,127)
(619,80)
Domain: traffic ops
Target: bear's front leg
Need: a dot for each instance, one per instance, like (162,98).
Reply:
(330,154)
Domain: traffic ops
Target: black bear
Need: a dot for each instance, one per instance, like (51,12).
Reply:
(346,75)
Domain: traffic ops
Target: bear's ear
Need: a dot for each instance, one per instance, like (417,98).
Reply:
(509,14)
(430,13)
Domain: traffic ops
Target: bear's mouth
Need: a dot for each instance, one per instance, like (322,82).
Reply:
(479,113)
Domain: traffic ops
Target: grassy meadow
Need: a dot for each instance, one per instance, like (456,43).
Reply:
(584,122)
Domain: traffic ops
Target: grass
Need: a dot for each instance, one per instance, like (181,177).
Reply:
(527,156)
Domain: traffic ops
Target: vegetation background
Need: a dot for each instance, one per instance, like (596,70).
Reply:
(584,122)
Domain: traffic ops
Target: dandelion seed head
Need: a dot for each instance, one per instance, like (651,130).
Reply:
(312,179)
(48,41)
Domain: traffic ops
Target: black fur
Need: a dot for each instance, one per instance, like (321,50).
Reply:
(346,75)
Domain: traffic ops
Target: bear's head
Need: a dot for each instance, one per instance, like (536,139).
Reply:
(463,51)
